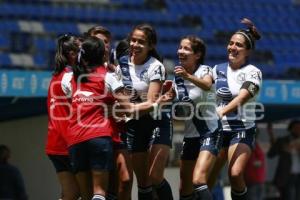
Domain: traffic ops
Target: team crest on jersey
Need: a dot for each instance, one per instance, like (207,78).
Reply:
(241,77)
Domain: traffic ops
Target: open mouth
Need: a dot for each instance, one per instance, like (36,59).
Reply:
(232,54)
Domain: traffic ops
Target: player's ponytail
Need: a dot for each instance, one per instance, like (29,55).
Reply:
(65,44)
(90,55)
(251,34)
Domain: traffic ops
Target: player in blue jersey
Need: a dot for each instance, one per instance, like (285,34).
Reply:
(237,84)
(202,132)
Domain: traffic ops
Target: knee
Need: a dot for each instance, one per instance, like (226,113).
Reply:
(236,174)
(200,179)
(156,178)
(125,184)
(200,176)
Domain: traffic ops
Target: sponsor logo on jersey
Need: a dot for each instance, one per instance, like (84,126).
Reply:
(83,96)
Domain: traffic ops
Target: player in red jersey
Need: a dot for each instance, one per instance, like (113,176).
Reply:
(59,112)
(90,130)
(120,185)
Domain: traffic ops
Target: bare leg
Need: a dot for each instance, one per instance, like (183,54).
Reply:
(84,180)
(69,185)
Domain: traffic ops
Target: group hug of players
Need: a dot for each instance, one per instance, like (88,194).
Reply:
(110,115)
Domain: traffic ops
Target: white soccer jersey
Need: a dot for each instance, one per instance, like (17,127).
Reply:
(142,75)
(205,118)
(113,81)
(228,83)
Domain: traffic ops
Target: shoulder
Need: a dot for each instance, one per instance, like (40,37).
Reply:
(204,67)
(253,72)
(220,65)
(251,67)
(153,62)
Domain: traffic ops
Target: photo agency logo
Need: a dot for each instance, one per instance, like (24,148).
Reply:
(118,104)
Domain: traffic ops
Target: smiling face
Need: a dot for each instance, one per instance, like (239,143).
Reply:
(186,55)
(237,51)
(139,47)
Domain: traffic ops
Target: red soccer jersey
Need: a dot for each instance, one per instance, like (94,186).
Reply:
(59,112)
(89,104)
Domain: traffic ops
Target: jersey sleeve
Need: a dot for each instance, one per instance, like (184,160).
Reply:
(157,72)
(113,81)
(66,84)
(254,76)
(203,71)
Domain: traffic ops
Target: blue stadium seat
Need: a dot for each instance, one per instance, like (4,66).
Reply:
(5,60)
(9,26)
(4,42)
(60,28)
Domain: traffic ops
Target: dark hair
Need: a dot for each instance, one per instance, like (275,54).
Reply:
(4,153)
(99,29)
(65,44)
(151,38)
(293,123)
(91,55)
(198,46)
(250,34)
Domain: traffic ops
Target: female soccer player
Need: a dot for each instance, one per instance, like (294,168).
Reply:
(59,112)
(202,133)
(149,140)
(237,86)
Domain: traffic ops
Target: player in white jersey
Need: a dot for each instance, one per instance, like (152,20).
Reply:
(237,84)
(149,140)
(202,132)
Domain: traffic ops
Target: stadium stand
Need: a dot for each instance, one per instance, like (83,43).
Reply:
(30,27)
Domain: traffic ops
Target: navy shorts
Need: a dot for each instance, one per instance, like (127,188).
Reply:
(163,131)
(93,154)
(139,133)
(246,137)
(122,144)
(61,163)
(192,146)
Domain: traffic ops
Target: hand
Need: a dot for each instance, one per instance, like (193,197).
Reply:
(220,112)
(180,71)
(110,67)
(167,97)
